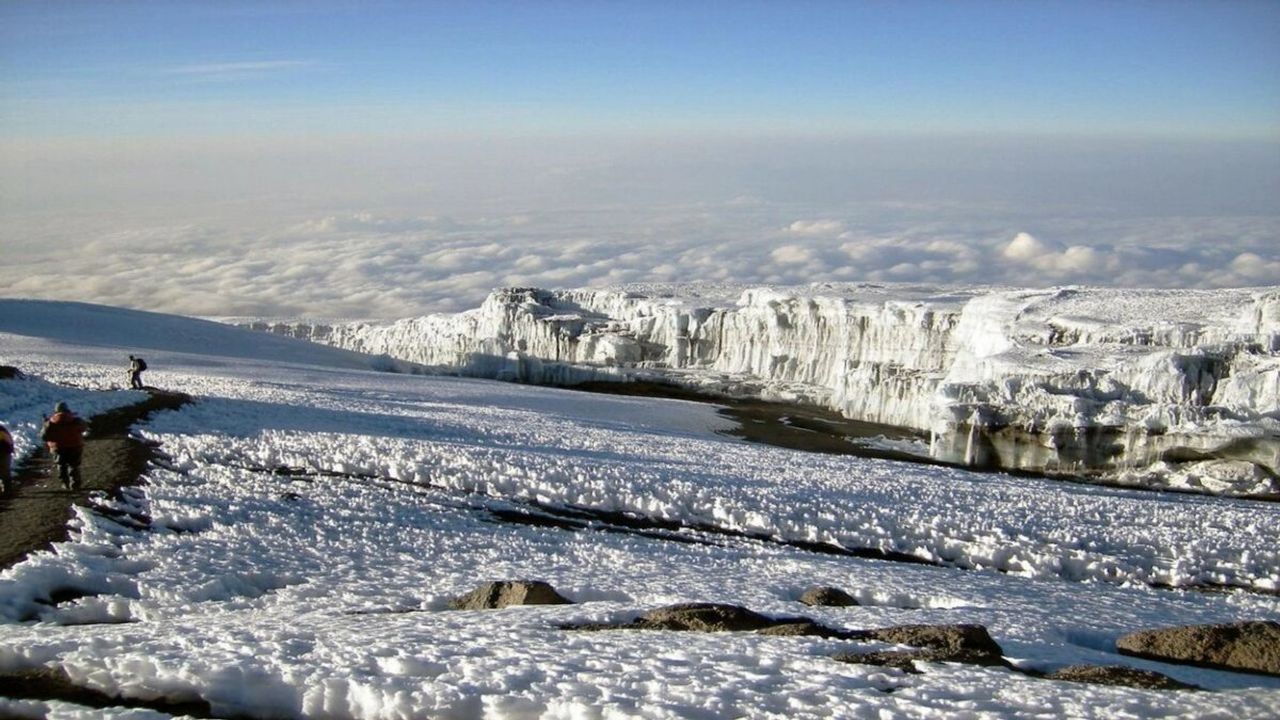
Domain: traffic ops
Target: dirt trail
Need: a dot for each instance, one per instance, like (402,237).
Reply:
(34,512)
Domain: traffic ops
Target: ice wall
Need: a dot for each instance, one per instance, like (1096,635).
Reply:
(1172,388)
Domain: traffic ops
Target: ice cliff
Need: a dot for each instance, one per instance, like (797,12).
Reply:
(1171,388)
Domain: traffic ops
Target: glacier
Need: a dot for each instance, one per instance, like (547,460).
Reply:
(1171,389)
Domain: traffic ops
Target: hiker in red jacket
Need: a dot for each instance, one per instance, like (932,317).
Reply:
(64,434)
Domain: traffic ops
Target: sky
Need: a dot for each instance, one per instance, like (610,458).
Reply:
(440,149)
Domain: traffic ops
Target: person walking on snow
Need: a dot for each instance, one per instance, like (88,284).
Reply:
(136,366)
(6,456)
(64,434)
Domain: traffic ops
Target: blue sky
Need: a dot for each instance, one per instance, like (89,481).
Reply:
(360,159)
(1208,69)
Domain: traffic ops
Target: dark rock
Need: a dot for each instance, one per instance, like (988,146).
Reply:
(505,593)
(827,597)
(802,628)
(45,684)
(958,643)
(718,617)
(1244,646)
(1118,675)
(9,372)
(704,617)
(903,660)
(938,643)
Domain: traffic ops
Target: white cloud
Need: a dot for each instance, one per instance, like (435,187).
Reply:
(227,70)
(366,223)
(1257,268)
(791,255)
(816,227)
(1027,248)
(366,265)
(1079,258)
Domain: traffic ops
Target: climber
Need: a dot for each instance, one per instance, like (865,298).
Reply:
(136,366)
(64,434)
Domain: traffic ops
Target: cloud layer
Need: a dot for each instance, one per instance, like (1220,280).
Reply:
(395,229)
(369,266)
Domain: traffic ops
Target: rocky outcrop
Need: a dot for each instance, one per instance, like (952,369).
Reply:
(970,644)
(827,597)
(1244,646)
(505,593)
(704,617)
(805,628)
(1118,675)
(717,617)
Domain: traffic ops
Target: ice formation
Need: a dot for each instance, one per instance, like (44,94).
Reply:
(1167,388)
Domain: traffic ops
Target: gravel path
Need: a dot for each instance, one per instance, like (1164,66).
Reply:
(34,512)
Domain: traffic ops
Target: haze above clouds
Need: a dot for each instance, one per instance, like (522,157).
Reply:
(316,159)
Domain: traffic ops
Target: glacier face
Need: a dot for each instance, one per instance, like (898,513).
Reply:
(1167,388)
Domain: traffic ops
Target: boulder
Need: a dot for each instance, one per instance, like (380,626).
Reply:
(827,597)
(718,617)
(1252,646)
(902,660)
(1117,675)
(937,643)
(959,643)
(803,628)
(704,617)
(505,593)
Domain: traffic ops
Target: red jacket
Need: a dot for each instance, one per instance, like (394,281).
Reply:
(64,430)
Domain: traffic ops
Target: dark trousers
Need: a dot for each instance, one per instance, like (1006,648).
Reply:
(135,379)
(69,464)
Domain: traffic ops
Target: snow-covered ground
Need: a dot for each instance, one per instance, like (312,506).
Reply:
(1176,389)
(325,594)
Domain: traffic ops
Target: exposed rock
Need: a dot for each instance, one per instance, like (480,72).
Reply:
(804,628)
(704,617)
(827,597)
(505,593)
(938,643)
(903,660)
(45,684)
(1118,675)
(9,372)
(964,643)
(1244,646)
(719,617)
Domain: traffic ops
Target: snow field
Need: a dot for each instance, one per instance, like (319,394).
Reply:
(1023,526)
(355,624)
(325,596)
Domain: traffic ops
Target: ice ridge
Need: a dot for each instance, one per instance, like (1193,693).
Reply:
(1169,388)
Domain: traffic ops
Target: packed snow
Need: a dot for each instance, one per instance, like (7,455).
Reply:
(1178,389)
(314,517)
